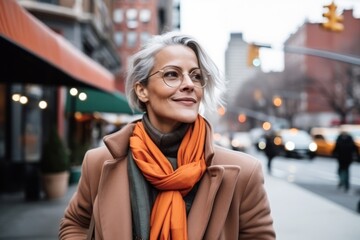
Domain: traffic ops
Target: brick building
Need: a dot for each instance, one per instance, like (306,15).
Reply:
(135,21)
(328,88)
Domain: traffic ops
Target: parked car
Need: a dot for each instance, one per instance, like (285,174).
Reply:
(295,143)
(325,138)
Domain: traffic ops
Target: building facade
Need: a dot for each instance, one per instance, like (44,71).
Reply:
(135,21)
(327,84)
(47,48)
(237,70)
(74,43)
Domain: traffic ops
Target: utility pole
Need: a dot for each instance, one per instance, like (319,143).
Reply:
(354,60)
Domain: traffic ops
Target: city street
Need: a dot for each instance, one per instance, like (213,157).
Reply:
(318,175)
(304,199)
(276,79)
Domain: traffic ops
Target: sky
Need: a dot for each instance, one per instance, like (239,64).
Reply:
(260,21)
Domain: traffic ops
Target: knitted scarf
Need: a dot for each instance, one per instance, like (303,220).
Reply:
(168,215)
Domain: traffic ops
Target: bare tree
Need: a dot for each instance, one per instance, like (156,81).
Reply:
(337,91)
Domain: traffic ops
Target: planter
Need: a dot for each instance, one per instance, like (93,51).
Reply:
(75,174)
(55,184)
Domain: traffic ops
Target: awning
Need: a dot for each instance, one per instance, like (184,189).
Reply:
(98,101)
(30,52)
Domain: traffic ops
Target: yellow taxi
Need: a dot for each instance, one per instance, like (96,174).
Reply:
(325,138)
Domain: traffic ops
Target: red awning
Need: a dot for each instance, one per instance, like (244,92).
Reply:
(20,28)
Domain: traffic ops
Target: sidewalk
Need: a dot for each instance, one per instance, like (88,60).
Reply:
(38,220)
(298,214)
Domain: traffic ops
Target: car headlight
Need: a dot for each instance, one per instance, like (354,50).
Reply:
(262,145)
(312,147)
(235,143)
(290,146)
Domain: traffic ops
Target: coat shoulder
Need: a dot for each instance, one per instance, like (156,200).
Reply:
(93,163)
(224,156)
(247,163)
(97,156)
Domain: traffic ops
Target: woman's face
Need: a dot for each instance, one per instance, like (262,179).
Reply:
(168,107)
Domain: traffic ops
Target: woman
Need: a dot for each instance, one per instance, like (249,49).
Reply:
(162,177)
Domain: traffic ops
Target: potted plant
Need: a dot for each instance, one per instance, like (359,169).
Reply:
(55,166)
(76,158)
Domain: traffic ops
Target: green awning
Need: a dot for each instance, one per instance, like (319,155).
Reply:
(98,101)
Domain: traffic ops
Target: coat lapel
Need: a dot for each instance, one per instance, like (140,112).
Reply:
(114,210)
(223,200)
(200,212)
(215,192)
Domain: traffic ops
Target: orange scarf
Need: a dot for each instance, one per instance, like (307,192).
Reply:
(168,216)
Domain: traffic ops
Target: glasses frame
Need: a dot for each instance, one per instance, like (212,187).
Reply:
(204,75)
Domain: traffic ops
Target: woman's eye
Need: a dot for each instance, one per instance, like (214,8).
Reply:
(171,74)
(196,76)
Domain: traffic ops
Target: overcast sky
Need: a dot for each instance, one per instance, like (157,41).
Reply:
(263,21)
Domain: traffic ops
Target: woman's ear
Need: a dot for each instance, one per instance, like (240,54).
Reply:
(141,92)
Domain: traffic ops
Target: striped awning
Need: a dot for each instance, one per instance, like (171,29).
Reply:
(33,53)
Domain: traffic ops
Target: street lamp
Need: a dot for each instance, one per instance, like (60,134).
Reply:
(74,93)
(221,111)
(277,101)
(42,104)
(266,126)
(242,118)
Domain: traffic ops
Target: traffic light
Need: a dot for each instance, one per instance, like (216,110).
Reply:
(253,56)
(334,20)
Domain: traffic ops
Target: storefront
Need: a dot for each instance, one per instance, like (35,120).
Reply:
(37,67)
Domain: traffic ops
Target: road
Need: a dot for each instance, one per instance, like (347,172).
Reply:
(319,176)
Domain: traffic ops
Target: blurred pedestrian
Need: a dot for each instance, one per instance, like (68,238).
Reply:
(346,152)
(270,149)
(162,176)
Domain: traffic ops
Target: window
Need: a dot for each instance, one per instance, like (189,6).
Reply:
(131,39)
(26,128)
(131,14)
(144,37)
(145,15)
(131,18)
(132,24)
(118,15)
(118,38)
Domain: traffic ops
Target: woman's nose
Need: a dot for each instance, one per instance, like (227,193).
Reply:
(187,82)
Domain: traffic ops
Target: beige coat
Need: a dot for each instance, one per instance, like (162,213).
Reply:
(231,202)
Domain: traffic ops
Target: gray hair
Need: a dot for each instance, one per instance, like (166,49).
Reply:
(142,62)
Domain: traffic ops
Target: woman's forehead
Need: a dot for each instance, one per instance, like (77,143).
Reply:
(175,55)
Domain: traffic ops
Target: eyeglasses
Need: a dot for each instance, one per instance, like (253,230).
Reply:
(173,76)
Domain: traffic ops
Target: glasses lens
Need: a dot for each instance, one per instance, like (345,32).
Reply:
(172,77)
(198,77)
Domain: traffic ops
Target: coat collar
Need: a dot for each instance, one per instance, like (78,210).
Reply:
(118,142)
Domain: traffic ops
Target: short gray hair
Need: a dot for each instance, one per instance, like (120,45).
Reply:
(141,63)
